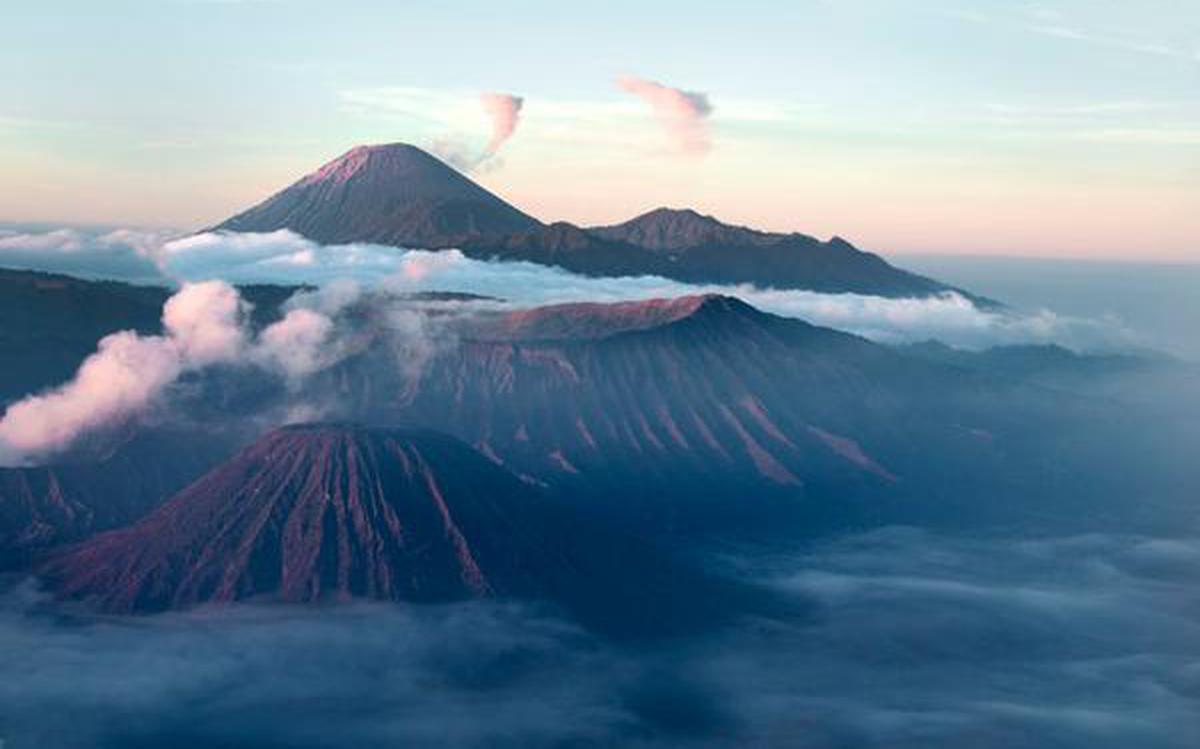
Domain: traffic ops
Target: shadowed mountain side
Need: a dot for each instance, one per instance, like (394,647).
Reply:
(46,506)
(701,249)
(705,410)
(332,512)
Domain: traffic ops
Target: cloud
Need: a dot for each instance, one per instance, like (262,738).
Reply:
(921,639)
(274,257)
(203,325)
(505,111)
(684,114)
(298,344)
(126,372)
(125,254)
(204,320)
(282,257)
(207,324)
(443,116)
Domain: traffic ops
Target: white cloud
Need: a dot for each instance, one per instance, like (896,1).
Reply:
(203,323)
(124,254)
(342,270)
(297,344)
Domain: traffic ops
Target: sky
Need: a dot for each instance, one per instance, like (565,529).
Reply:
(1065,128)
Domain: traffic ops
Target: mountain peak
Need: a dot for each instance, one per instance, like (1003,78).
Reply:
(666,213)
(398,195)
(379,156)
(393,194)
(674,229)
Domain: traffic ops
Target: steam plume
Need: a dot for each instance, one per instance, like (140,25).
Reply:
(505,111)
(204,326)
(684,114)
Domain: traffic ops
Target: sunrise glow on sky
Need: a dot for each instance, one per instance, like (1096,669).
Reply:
(1060,128)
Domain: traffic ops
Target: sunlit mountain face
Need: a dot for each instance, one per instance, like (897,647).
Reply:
(560,417)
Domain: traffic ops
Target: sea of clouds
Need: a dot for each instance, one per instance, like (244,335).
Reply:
(916,639)
(283,257)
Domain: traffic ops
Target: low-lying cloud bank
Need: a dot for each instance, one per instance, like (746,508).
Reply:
(121,254)
(919,640)
(284,257)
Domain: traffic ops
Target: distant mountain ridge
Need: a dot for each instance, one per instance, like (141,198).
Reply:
(669,230)
(397,194)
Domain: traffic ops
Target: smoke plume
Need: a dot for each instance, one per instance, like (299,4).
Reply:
(203,325)
(684,114)
(505,111)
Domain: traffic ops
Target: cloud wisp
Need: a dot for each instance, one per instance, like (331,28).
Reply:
(504,111)
(683,114)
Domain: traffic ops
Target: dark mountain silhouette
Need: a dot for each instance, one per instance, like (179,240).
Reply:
(701,249)
(45,506)
(669,231)
(399,195)
(333,511)
(393,194)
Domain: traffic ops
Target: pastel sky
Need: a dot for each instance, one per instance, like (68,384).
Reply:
(1057,128)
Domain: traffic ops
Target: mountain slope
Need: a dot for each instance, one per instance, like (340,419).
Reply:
(393,194)
(702,412)
(331,512)
(686,410)
(46,506)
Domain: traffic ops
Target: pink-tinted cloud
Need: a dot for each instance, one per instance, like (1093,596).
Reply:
(204,324)
(505,111)
(684,114)
(205,321)
(297,345)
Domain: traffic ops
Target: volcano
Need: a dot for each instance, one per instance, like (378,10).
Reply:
(399,195)
(393,194)
(334,512)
